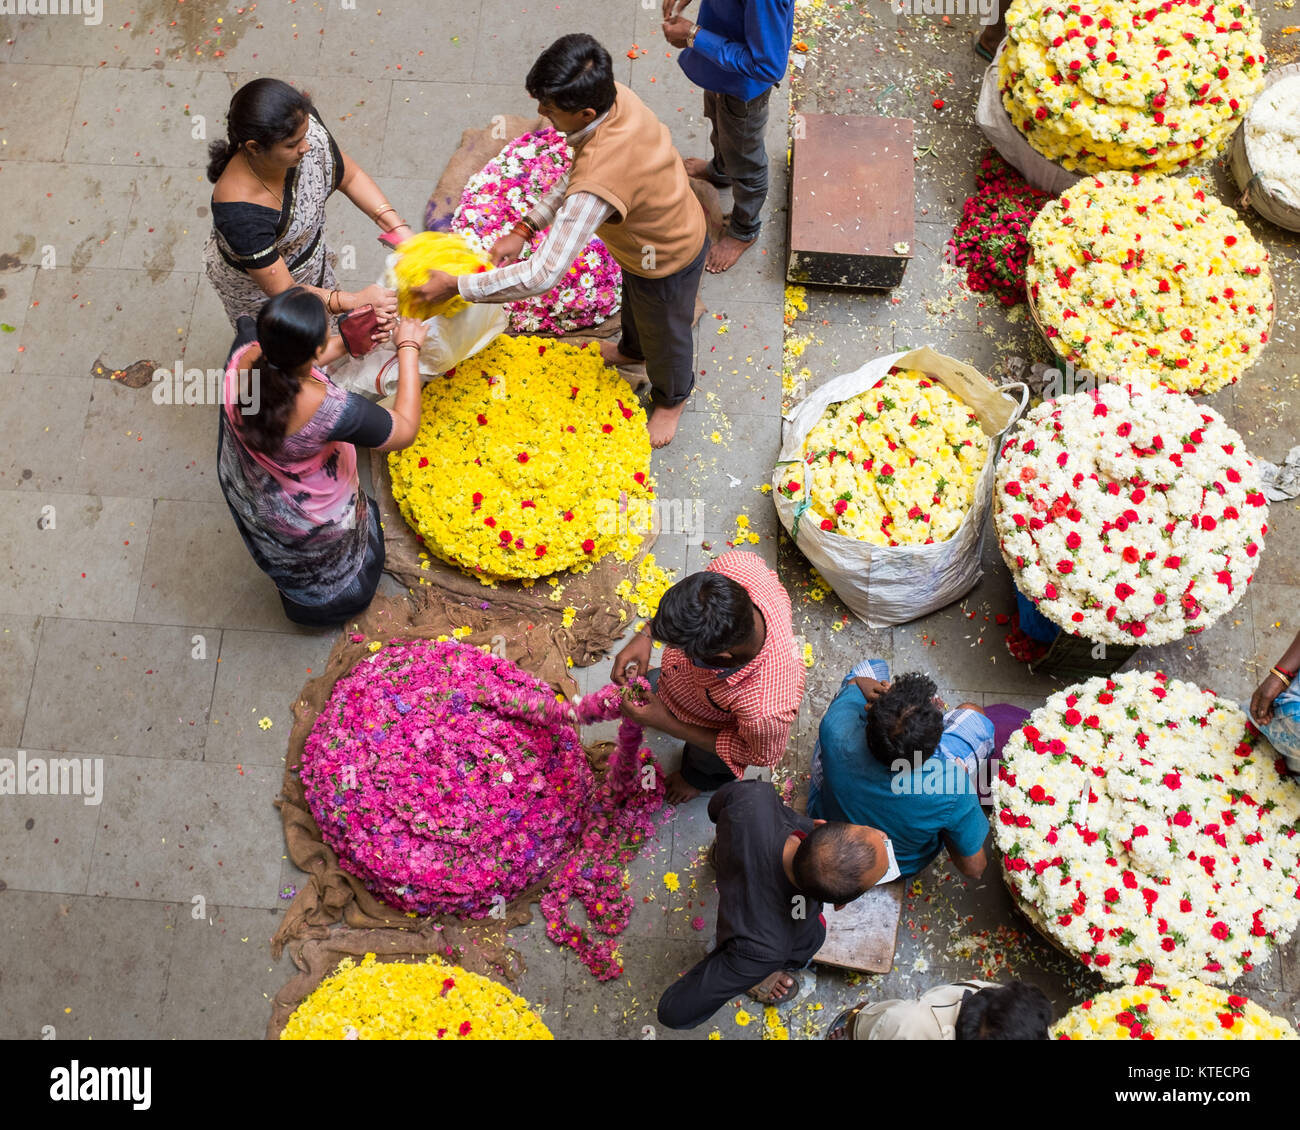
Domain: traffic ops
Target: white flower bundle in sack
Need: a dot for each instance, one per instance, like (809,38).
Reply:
(895,528)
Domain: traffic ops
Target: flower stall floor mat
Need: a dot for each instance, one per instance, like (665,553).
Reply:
(597,625)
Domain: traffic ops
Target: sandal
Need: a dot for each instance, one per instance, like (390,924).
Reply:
(982,51)
(805,984)
(844,1021)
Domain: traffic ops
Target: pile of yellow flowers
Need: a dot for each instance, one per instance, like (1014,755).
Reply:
(651,584)
(895,465)
(523,453)
(1150,279)
(1181,1010)
(433,251)
(1118,85)
(396,1001)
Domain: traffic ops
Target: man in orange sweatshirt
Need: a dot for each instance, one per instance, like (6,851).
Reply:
(628,186)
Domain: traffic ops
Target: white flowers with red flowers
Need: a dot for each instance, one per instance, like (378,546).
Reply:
(1149,831)
(1129,516)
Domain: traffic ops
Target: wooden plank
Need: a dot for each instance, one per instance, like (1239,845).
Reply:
(852,194)
(862,935)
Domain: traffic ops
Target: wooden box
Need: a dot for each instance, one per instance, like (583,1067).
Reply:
(851,200)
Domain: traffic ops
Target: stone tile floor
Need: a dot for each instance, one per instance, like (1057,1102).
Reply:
(135,628)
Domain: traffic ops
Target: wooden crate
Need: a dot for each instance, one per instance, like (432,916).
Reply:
(852,196)
(862,935)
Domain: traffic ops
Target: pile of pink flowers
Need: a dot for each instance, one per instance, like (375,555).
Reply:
(501,194)
(992,238)
(451,781)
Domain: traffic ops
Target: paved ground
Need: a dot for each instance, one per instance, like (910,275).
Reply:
(136,628)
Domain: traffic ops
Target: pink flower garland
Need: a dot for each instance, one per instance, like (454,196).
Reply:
(451,781)
(501,194)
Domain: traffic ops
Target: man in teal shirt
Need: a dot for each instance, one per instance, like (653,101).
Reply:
(887,756)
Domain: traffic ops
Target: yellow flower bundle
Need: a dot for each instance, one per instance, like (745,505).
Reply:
(529,458)
(1181,1010)
(1150,279)
(433,251)
(895,465)
(396,1001)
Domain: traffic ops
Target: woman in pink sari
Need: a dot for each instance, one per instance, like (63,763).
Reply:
(287,459)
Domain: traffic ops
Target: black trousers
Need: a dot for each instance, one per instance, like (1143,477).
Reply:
(658,328)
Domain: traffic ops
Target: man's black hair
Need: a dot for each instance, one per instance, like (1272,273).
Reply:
(704,615)
(574,73)
(904,720)
(1005,1012)
(830,863)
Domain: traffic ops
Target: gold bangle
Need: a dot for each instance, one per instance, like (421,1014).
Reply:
(412,344)
(1281,675)
(386,207)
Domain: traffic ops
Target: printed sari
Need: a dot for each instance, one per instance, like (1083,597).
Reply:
(302,514)
(245,237)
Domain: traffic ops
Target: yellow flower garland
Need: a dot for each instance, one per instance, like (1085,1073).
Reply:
(528,459)
(397,1001)
(1150,279)
(433,251)
(1181,1010)
(1119,85)
(895,465)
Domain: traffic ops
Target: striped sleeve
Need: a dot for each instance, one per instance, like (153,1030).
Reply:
(575,224)
(543,215)
(757,740)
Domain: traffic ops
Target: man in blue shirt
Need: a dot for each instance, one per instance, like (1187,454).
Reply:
(887,756)
(737,52)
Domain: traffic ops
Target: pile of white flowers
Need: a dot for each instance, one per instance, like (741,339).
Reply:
(1129,516)
(1150,830)
(1273,140)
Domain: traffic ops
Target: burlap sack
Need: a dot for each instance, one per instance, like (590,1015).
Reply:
(598,623)
(332,893)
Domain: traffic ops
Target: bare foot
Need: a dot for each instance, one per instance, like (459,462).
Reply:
(699,168)
(663,426)
(610,354)
(724,253)
(773,988)
(678,791)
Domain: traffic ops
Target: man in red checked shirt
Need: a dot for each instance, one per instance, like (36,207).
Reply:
(731,679)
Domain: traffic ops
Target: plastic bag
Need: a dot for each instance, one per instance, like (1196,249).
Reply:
(992,118)
(450,340)
(881,584)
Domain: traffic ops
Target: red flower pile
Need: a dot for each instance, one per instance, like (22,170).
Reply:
(992,239)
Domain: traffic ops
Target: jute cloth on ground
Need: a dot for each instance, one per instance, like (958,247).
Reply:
(332,894)
(595,627)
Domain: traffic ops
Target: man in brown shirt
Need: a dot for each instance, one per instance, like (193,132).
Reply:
(629,187)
